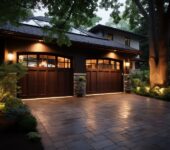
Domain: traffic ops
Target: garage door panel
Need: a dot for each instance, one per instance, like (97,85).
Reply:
(64,82)
(52,82)
(41,82)
(48,75)
(23,84)
(32,83)
(106,79)
(92,81)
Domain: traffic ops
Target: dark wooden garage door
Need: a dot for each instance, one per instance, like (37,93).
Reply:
(104,76)
(48,75)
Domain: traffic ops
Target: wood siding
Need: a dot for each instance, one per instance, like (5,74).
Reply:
(104,80)
(47,82)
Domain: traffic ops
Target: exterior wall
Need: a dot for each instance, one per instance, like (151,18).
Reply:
(120,38)
(134,44)
(79,54)
(76,52)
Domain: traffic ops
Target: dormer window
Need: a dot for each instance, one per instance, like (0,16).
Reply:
(109,36)
(127,41)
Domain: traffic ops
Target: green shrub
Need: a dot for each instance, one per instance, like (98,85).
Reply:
(142,90)
(27,123)
(166,94)
(34,136)
(14,108)
(140,79)
(155,92)
(9,75)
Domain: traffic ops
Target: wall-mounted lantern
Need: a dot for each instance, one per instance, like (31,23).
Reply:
(40,41)
(10,57)
(127,66)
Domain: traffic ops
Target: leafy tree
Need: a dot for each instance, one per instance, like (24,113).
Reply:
(15,10)
(66,13)
(62,13)
(123,24)
(157,16)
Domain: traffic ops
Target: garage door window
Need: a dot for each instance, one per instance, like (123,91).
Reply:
(102,64)
(32,61)
(22,59)
(117,65)
(44,61)
(91,63)
(63,62)
(47,61)
(51,61)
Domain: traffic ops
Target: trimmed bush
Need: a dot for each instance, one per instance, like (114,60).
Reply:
(166,95)
(14,108)
(27,123)
(34,136)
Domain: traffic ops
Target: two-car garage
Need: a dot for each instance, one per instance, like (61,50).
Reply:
(51,75)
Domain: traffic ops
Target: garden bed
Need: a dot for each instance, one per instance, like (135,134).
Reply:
(15,140)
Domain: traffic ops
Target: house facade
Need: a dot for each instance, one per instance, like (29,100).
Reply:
(53,70)
(127,38)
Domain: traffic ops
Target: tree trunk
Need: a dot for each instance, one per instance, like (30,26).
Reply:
(158,50)
(159,70)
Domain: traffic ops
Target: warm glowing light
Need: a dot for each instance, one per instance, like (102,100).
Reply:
(162,90)
(10,56)
(138,88)
(40,41)
(43,64)
(147,88)
(127,64)
(112,55)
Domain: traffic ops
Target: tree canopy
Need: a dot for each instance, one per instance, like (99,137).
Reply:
(155,14)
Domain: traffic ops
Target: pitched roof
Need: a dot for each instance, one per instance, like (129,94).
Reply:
(100,27)
(86,38)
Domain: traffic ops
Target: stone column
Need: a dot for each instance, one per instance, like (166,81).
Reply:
(79,84)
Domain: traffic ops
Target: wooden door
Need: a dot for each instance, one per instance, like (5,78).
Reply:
(44,81)
(104,78)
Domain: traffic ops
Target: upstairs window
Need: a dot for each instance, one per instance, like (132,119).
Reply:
(127,41)
(109,36)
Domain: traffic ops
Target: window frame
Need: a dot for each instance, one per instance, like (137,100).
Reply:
(69,63)
(127,41)
(102,64)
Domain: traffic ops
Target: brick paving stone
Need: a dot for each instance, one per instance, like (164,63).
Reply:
(118,121)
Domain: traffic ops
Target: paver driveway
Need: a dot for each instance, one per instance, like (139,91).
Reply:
(118,122)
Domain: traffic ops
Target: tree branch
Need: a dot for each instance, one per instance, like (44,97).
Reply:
(141,8)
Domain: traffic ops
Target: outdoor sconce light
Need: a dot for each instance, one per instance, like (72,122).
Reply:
(127,64)
(10,56)
(40,41)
